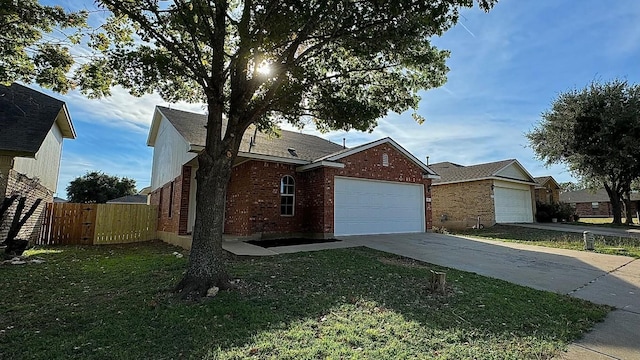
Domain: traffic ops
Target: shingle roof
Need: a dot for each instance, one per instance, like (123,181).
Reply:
(129,199)
(450,172)
(587,195)
(542,179)
(26,116)
(307,147)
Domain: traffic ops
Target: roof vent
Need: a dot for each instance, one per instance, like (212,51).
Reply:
(293,152)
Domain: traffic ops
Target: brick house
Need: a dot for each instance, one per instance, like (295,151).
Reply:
(291,185)
(547,190)
(497,192)
(595,204)
(32,128)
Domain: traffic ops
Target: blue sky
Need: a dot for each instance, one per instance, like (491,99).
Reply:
(507,66)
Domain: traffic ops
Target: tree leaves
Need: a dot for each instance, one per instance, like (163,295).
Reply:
(595,132)
(98,187)
(26,55)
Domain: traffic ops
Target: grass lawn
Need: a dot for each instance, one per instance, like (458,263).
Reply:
(111,302)
(603,244)
(605,222)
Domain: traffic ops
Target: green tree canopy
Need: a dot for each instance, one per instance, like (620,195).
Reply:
(98,187)
(28,51)
(595,132)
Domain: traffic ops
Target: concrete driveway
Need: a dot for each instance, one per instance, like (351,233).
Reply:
(604,279)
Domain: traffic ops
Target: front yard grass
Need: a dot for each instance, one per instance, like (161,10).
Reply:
(613,245)
(112,302)
(605,222)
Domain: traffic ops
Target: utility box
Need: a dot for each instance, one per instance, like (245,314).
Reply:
(589,240)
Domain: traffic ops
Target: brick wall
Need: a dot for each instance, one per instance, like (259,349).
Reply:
(253,195)
(22,185)
(173,207)
(239,199)
(462,203)
(253,200)
(585,209)
(547,195)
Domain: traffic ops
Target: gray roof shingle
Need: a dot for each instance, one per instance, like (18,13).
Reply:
(307,147)
(586,195)
(450,172)
(129,199)
(542,179)
(26,116)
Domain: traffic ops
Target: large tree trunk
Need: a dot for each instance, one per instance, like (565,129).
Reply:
(616,207)
(627,208)
(206,260)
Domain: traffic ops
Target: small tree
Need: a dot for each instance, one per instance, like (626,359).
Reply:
(595,132)
(98,187)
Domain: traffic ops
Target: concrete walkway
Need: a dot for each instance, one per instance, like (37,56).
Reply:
(598,230)
(242,248)
(604,279)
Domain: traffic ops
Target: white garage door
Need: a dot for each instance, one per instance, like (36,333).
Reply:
(513,204)
(377,207)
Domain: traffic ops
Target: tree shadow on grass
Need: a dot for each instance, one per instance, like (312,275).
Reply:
(336,303)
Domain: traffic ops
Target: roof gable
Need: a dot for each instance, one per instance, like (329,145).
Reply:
(514,171)
(26,116)
(543,180)
(348,152)
(507,170)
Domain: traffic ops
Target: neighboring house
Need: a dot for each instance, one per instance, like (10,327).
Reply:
(497,192)
(32,128)
(291,185)
(595,204)
(59,200)
(547,190)
(130,199)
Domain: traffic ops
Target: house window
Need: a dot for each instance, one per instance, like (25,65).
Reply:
(385,160)
(594,205)
(171,200)
(287,195)
(160,203)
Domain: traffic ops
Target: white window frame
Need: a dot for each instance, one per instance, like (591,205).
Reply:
(595,205)
(291,194)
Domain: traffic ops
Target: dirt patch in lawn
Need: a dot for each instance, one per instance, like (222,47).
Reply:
(289,242)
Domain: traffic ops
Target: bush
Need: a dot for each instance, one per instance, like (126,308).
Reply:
(565,211)
(561,211)
(543,216)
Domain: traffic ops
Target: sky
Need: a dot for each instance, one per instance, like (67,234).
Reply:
(506,68)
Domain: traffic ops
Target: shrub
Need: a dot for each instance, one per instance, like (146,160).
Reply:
(543,216)
(561,211)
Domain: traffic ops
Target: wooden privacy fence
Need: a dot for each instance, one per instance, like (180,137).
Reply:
(96,224)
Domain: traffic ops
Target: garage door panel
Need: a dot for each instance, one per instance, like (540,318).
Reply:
(513,205)
(375,207)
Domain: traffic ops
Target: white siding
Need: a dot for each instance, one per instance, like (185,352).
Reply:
(513,172)
(46,165)
(170,152)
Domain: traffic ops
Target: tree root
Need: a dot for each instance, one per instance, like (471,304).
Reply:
(195,288)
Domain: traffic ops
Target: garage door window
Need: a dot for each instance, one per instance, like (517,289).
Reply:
(287,194)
